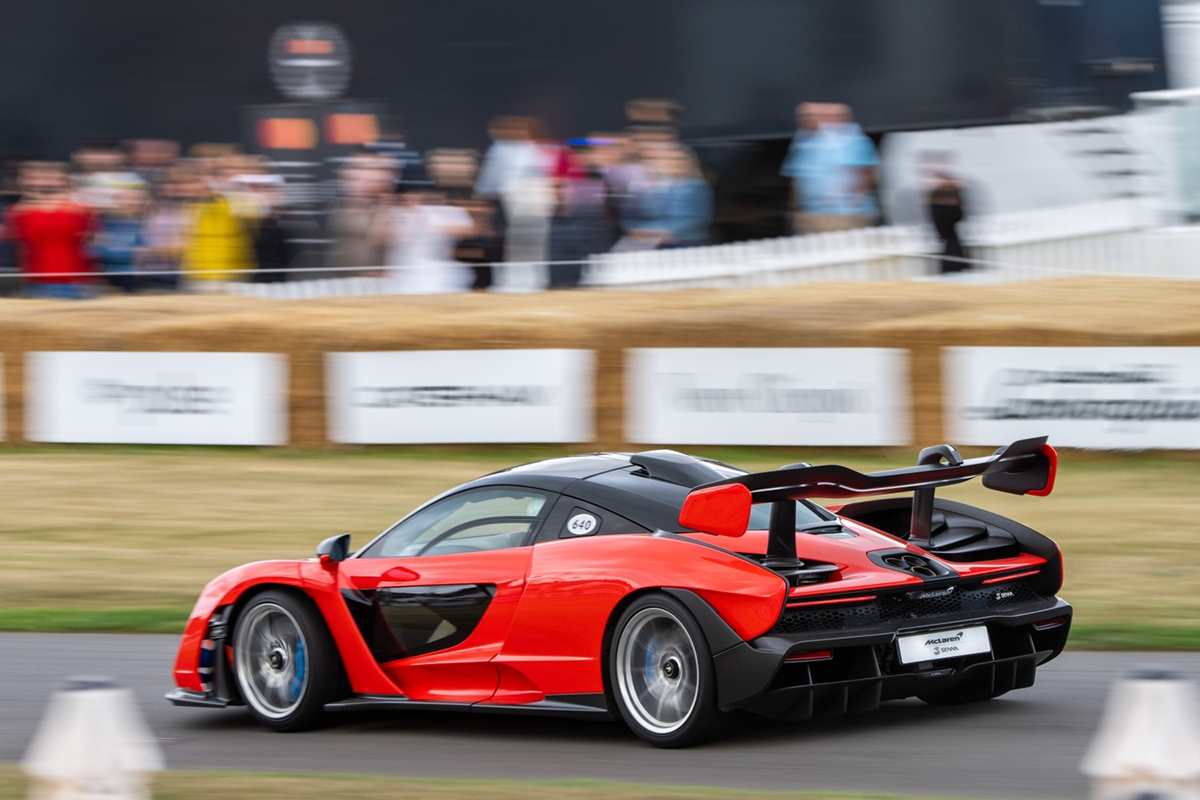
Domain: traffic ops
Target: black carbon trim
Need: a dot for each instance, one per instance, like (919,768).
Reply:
(720,636)
(590,706)
(402,621)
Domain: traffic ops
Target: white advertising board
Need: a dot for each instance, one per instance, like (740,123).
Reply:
(156,398)
(1118,398)
(471,396)
(833,396)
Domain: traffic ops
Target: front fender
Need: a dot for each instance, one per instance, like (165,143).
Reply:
(223,590)
(319,583)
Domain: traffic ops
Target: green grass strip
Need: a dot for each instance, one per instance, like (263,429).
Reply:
(1129,636)
(94,620)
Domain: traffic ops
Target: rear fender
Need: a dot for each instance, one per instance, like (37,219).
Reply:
(576,585)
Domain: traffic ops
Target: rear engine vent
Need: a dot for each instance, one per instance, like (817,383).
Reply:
(908,607)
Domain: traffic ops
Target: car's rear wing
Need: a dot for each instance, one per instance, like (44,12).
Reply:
(1027,466)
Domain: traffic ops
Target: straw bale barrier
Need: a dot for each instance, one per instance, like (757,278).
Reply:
(919,316)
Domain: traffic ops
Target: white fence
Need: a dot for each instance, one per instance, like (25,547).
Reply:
(1114,237)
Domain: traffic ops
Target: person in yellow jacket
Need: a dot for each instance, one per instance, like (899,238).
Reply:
(218,244)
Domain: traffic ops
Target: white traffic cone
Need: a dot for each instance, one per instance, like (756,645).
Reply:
(93,744)
(1148,746)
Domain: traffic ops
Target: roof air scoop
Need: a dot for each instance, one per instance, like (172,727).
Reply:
(676,468)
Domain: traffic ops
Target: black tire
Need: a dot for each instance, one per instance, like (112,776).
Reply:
(284,661)
(658,651)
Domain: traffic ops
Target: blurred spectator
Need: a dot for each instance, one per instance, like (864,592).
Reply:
(516,172)
(365,182)
(168,225)
(455,172)
(96,167)
(271,254)
(420,233)
(119,245)
(675,201)
(485,246)
(51,232)
(151,158)
(9,195)
(653,111)
(944,201)
(833,168)
(217,243)
(584,223)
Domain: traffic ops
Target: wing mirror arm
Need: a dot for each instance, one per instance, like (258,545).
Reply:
(334,549)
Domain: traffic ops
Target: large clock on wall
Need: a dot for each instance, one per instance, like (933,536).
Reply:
(310,61)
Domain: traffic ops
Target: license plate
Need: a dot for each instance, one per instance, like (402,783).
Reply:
(949,643)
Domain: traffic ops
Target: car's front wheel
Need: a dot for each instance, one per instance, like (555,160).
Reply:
(285,662)
(662,673)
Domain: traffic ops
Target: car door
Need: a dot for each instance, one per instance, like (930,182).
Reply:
(435,595)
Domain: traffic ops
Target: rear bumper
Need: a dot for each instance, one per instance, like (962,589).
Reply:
(863,669)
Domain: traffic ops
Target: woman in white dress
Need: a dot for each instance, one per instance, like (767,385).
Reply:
(420,235)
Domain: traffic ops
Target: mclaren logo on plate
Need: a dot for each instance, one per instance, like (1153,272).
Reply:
(934,645)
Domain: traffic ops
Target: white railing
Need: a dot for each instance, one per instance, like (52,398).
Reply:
(1115,237)
(886,253)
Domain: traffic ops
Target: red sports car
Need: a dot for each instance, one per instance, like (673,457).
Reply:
(667,589)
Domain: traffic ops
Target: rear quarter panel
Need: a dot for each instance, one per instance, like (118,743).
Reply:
(576,585)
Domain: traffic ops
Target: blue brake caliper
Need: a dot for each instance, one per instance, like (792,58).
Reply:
(650,658)
(298,681)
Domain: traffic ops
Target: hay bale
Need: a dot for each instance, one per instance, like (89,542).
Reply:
(919,316)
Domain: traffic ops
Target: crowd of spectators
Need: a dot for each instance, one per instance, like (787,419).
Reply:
(523,216)
(136,217)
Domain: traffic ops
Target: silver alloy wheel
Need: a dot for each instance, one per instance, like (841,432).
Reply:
(657,670)
(271,660)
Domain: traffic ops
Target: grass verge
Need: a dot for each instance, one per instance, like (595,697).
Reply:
(273,786)
(1133,637)
(94,620)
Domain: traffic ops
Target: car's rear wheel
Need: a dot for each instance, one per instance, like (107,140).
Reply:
(285,662)
(662,673)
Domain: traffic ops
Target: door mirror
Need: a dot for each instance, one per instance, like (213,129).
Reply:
(334,549)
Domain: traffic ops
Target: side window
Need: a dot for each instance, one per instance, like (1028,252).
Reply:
(576,519)
(494,518)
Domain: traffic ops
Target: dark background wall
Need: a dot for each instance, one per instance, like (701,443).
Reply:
(181,69)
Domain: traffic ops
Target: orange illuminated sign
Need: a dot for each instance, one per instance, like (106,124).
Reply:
(286,133)
(351,128)
(310,47)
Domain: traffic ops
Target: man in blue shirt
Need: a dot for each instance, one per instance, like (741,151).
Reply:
(833,168)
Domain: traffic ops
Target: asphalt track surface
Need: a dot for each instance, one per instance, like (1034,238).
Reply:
(1025,745)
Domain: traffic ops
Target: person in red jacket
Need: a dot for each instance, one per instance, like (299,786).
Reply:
(51,233)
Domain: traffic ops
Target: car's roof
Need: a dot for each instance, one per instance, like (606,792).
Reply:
(648,488)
